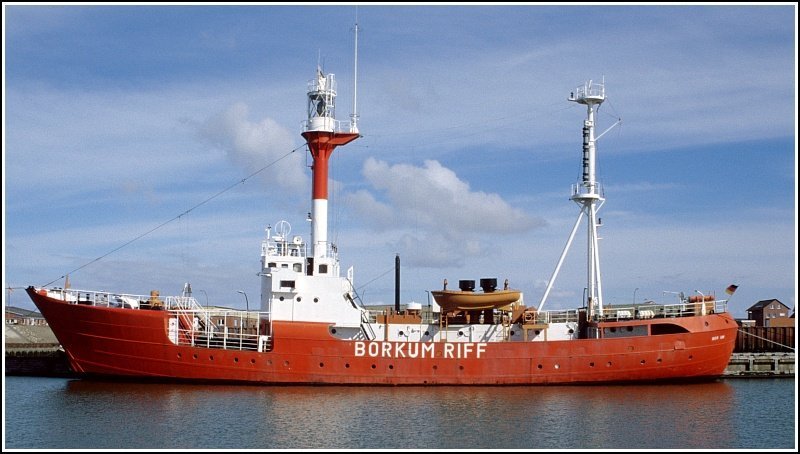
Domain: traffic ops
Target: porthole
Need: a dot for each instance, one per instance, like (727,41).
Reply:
(642,362)
(269,362)
(316,300)
(460,367)
(539,366)
(194,356)
(299,299)
(235,360)
(556,366)
(179,355)
(658,360)
(391,366)
(321,364)
(333,330)
(252,361)
(511,333)
(211,357)
(591,364)
(286,363)
(691,357)
(571,331)
(427,333)
(460,333)
(435,367)
(280,299)
(347,365)
(400,333)
(373,366)
(608,364)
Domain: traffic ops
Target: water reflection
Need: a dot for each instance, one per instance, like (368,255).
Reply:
(97,414)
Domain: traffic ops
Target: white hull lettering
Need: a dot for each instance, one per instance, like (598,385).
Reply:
(448,350)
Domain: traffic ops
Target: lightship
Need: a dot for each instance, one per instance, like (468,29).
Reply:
(311,327)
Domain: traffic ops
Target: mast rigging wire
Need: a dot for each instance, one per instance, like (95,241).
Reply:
(178,216)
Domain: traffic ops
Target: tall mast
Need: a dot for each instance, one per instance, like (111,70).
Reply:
(588,194)
(354,115)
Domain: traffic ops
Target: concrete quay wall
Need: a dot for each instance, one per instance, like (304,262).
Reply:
(769,364)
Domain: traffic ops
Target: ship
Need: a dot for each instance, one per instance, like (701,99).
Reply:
(312,328)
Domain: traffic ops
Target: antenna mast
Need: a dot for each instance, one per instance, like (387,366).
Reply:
(354,115)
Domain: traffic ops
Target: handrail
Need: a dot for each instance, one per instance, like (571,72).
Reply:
(339,126)
(197,327)
(646,311)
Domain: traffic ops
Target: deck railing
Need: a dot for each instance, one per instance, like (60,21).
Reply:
(225,329)
(189,322)
(645,311)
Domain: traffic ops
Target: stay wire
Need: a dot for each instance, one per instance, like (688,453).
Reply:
(178,216)
(375,279)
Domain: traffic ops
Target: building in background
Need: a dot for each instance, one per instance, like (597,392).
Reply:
(771,313)
(20,316)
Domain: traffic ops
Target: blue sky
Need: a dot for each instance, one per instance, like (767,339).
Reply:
(120,118)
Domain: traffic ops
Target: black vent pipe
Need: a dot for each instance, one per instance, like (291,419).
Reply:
(397,283)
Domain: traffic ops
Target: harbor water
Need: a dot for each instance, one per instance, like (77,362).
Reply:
(54,413)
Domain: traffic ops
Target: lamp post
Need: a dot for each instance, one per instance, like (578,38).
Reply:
(247,308)
(206,294)
(246,302)
(679,294)
(702,303)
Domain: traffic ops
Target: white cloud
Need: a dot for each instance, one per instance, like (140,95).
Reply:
(254,145)
(432,216)
(433,196)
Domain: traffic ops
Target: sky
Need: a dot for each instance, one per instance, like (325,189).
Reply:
(131,135)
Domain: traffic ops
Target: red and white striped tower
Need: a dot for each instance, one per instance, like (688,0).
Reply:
(323,133)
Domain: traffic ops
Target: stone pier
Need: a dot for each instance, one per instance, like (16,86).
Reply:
(770,364)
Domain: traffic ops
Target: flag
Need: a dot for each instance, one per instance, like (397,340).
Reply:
(731,289)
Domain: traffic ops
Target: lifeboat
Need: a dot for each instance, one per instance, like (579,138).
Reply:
(466,299)
(451,300)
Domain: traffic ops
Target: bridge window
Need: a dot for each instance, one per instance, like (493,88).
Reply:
(323,269)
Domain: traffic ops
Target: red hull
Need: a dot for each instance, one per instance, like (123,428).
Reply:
(134,343)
